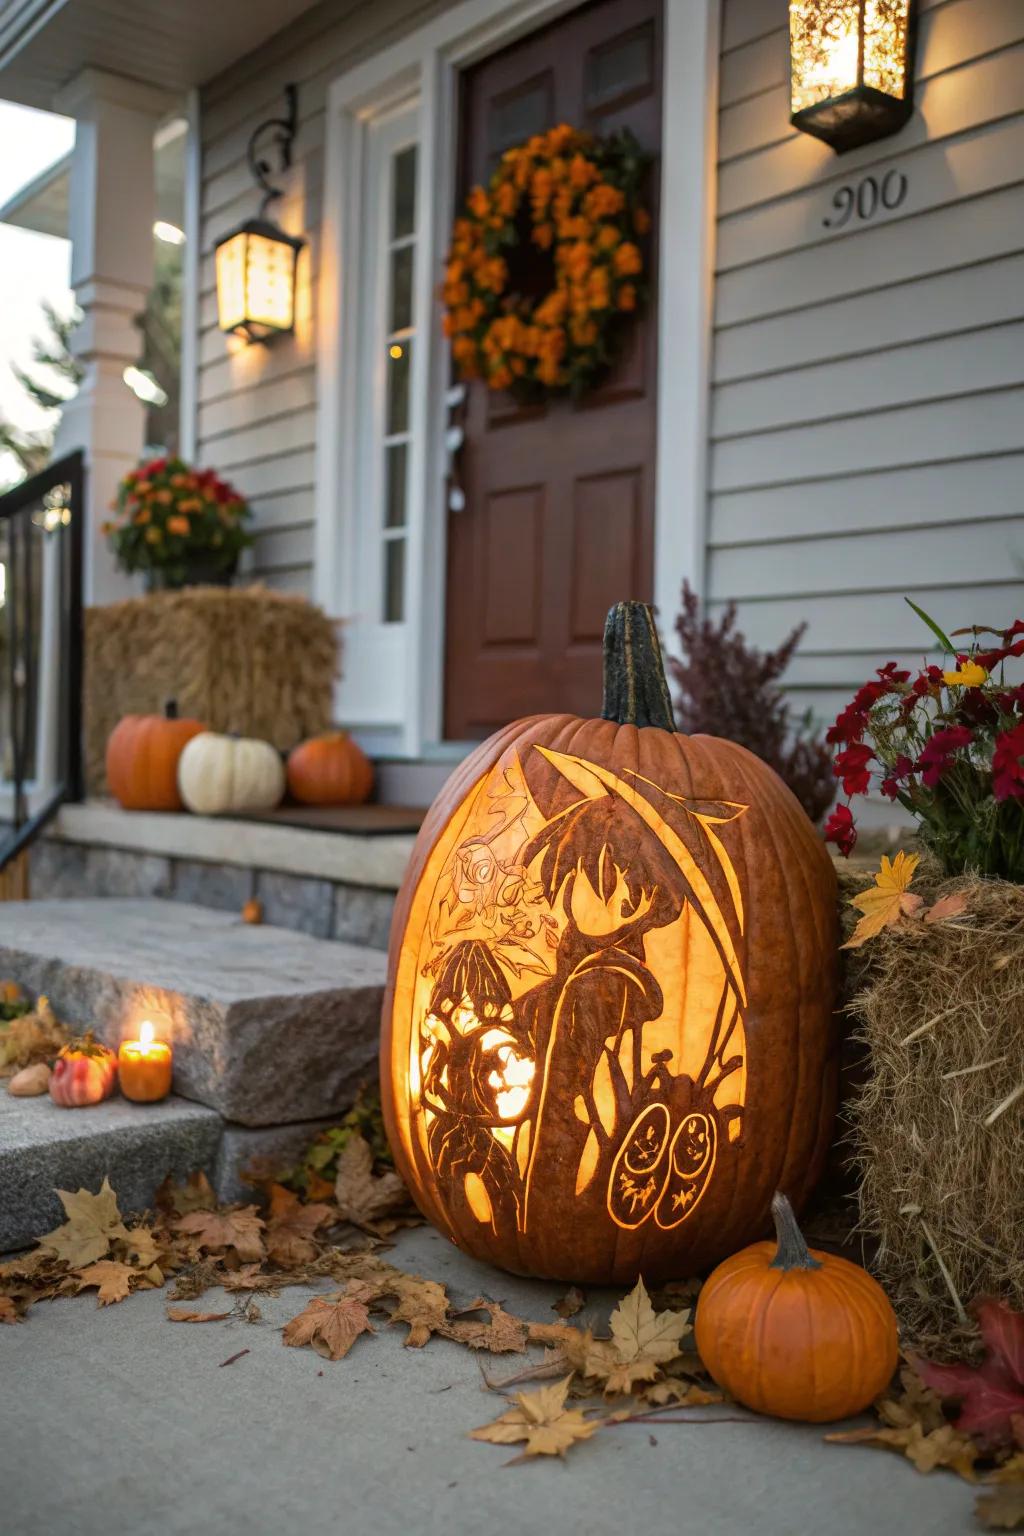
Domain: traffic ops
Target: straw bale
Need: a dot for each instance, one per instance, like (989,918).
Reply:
(242,659)
(937,1126)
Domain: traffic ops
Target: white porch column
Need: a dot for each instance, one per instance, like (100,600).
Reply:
(112,208)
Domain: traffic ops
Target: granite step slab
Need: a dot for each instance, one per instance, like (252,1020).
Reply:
(269,1026)
(44,1148)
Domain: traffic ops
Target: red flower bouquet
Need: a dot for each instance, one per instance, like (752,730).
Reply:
(948,744)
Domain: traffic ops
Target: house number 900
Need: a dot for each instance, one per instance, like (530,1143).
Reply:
(865,199)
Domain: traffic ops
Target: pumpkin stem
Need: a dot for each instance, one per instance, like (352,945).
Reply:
(792,1252)
(171,709)
(635,690)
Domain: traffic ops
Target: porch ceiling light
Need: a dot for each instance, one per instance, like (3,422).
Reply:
(851,68)
(256,263)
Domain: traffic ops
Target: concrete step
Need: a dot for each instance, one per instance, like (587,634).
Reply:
(269,1026)
(44,1148)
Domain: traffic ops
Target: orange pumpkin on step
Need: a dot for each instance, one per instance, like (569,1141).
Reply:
(607,1033)
(142,759)
(330,770)
(796,1333)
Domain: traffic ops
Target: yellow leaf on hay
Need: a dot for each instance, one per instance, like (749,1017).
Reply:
(889,899)
(542,1420)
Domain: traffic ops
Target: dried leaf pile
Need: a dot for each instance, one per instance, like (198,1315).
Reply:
(28,1034)
(643,1371)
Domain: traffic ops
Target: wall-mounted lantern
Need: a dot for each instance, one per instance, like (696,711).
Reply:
(851,68)
(256,262)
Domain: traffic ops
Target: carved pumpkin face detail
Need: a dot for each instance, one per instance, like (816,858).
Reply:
(606,1034)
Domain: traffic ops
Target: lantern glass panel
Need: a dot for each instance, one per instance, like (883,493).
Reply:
(270,283)
(230,264)
(837,45)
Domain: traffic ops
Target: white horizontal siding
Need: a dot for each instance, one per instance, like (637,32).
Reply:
(257,405)
(867,417)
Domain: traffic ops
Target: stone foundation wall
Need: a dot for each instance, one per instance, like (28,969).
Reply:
(327,909)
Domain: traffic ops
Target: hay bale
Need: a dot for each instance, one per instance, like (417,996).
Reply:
(938,1124)
(245,659)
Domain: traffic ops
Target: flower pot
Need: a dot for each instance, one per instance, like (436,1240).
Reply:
(195,573)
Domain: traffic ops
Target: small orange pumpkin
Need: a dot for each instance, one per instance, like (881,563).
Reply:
(796,1333)
(330,770)
(85,1072)
(142,759)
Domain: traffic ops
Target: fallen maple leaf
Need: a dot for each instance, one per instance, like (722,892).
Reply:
(542,1420)
(113,1278)
(885,902)
(953,905)
(186,1315)
(642,1342)
(944,1447)
(687,1394)
(502,1334)
(219,1230)
(141,1247)
(196,1194)
(94,1221)
(572,1302)
(331,1324)
(8,1311)
(364,1197)
(423,1304)
(991,1395)
(1002,1510)
(290,1227)
(573,1344)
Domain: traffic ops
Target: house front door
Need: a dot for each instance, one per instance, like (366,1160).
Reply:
(558,520)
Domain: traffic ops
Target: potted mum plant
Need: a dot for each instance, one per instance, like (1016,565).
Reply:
(181,526)
(948,744)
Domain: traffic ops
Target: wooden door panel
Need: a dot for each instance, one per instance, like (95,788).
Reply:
(511,548)
(559,515)
(606,548)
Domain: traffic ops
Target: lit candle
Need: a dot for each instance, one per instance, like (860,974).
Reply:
(144,1067)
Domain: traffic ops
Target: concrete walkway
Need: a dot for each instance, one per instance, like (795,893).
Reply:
(115,1422)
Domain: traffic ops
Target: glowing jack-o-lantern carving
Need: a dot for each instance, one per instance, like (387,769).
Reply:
(608,1024)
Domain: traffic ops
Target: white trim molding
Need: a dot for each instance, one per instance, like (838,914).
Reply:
(424,66)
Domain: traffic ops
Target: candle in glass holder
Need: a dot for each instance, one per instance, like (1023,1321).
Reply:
(144,1067)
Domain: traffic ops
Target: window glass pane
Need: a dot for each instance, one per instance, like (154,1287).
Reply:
(620,67)
(394,478)
(398,387)
(519,114)
(394,581)
(403,209)
(401,288)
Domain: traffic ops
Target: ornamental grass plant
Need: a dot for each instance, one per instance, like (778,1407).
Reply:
(948,745)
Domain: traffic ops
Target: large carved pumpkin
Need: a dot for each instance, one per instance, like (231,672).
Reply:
(608,1025)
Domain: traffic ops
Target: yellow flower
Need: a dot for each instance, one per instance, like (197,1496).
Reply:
(967,675)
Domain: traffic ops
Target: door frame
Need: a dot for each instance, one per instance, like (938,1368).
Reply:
(424,67)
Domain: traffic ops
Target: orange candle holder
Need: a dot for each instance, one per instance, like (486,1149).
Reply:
(144,1067)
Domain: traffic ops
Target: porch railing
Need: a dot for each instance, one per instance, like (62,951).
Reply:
(41,523)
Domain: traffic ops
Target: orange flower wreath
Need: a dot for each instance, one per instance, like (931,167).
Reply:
(546,264)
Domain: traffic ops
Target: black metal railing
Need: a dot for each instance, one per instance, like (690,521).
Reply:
(41,524)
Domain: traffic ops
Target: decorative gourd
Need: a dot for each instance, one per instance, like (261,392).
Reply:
(607,1032)
(230,773)
(142,759)
(796,1333)
(30,1082)
(85,1072)
(330,770)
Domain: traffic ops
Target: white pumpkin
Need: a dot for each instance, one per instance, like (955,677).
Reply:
(229,773)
